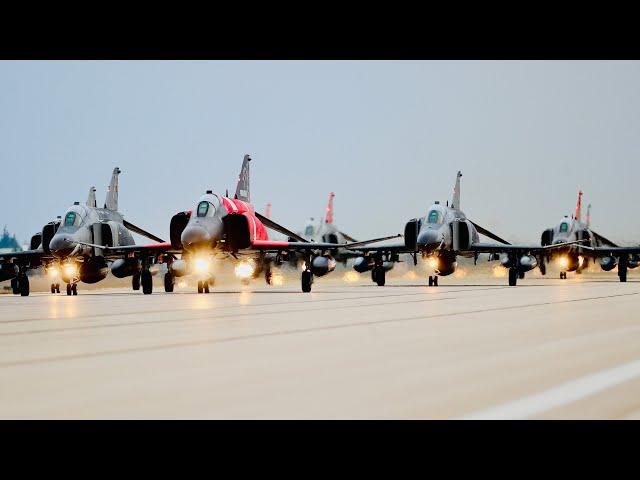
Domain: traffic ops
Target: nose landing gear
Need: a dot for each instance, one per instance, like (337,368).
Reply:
(72,289)
(55,288)
(433,280)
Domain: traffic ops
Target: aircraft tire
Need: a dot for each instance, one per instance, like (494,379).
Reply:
(53,288)
(623,275)
(169,282)
(521,275)
(24,286)
(435,280)
(68,289)
(15,286)
(74,289)
(146,282)
(307,280)
(135,281)
(200,288)
(430,281)
(373,275)
(205,286)
(380,276)
(513,277)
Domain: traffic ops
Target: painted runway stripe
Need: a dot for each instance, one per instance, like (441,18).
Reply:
(561,395)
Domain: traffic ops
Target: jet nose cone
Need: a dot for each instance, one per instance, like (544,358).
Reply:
(428,240)
(195,236)
(61,246)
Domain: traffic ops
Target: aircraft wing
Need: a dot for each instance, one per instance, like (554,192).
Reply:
(153,248)
(24,254)
(615,251)
(140,231)
(396,247)
(603,240)
(489,234)
(501,248)
(272,245)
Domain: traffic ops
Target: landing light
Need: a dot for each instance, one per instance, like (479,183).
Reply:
(244,270)
(53,272)
(433,262)
(564,262)
(201,265)
(580,261)
(70,269)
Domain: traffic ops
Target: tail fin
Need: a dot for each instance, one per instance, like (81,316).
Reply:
(578,206)
(329,218)
(111,202)
(589,216)
(455,201)
(91,200)
(242,190)
(267,210)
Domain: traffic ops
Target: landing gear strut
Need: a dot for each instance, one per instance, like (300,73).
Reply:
(513,276)
(622,269)
(307,280)
(433,280)
(23,284)
(378,275)
(169,282)
(135,281)
(72,289)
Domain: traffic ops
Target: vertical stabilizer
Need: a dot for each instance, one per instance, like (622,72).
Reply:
(589,216)
(455,201)
(579,207)
(111,202)
(91,200)
(329,217)
(267,210)
(242,189)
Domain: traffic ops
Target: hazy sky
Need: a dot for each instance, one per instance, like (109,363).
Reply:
(386,137)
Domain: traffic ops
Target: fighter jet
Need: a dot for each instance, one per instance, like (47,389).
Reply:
(73,247)
(574,258)
(444,234)
(225,228)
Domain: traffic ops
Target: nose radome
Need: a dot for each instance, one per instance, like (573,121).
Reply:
(61,246)
(195,236)
(428,240)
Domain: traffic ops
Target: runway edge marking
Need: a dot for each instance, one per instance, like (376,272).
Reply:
(561,395)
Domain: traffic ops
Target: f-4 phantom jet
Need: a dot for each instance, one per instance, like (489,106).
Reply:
(574,258)
(75,247)
(444,234)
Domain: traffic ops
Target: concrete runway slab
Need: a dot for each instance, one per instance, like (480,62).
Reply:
(470,348)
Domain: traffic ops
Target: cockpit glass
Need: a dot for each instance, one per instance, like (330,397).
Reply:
(309,230)
(70,219)
(434,217)
(564,226)
(203,208)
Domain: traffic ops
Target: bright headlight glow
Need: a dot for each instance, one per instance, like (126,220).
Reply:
(244,270)
(563,262)
(70,269)
(53,271)
(433,262)
(201,265)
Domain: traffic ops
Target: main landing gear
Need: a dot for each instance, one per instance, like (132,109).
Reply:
(378,275)
(20,285)
(135,281)
(622,269)
(513,276)
(72,289)
(433,280)
(307,280)
(563,275)
(55,288)
(146,280)
(169,282)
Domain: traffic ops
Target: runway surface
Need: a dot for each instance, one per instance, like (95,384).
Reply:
(470,348)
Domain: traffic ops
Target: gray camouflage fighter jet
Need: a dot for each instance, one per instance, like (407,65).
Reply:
(575,257)
(73,247)
(221,227)
(444,234)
